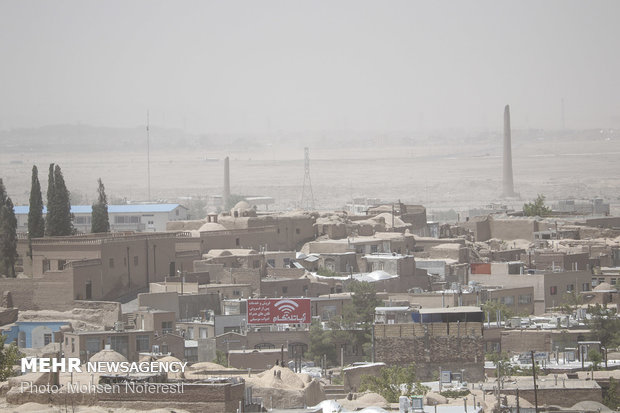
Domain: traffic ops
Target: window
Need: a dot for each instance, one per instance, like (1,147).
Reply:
(190,333)
(373,249)
(166,327)
(525,299)
(72,345)
(142,343)
(236,292)
(47,338)
(256,264)
(89,290)
(614,281)
(585,287)
(570,288)
(151,222)
(81,220)
(203,332)
(284,290)
(287,263)
(135,260)
(120,344)
(93,345)
(126,219)
(61,264)
(508,300)
(237,243)
(271,263)
(191,353)
(111,263)
(297,231)
(553,290)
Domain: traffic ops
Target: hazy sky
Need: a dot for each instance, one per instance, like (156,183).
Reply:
(256,66)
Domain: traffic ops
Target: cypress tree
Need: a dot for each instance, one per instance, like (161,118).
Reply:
(2,194)
(58,221)
(8,234)
(100,221)
(50,219)
(36,224)
(62,204)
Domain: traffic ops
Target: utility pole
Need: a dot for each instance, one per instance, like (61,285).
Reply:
(148,155)
(534,376)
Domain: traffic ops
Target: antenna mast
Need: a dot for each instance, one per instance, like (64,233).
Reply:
(148,155)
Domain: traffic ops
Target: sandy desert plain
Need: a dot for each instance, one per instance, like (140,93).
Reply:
(450,174)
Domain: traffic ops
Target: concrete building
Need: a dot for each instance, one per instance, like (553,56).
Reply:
(160,321)
(328,306)
(561,261)
(380,242)
(550,288)
(98,266)
(34,334)
(596,206)
(185,306)
(249,258)
(131,217)
(129,343)
(507,228)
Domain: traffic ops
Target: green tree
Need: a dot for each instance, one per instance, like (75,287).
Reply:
(321,343)
(360,312)
(604,325)
(595,358)
(100,220)
(491,308)
(390,381)
(8,233)
(9,357)
(612,395)
(571,301)
(536,208)
(355,325)
(50,217)
(58,220)
(36,223)
(502,364)
(220,358)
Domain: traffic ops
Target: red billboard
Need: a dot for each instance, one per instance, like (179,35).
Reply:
(279,311)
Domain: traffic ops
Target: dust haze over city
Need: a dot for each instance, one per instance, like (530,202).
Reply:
(394,101)
(310,206)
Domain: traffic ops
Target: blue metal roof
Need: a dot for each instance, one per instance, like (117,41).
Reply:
(112,209)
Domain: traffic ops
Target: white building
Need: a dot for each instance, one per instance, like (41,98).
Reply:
(133,217)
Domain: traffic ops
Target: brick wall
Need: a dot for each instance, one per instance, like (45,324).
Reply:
(560,397)
(430,346)
(52,292)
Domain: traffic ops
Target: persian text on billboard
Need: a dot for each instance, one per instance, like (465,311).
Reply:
(279,311)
